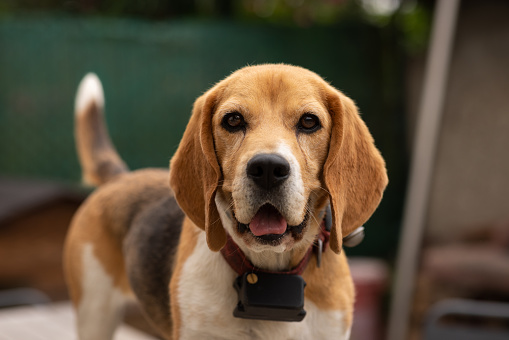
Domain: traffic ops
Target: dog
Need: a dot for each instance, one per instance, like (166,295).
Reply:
(266,153)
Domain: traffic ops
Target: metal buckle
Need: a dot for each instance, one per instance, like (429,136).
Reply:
(354,238)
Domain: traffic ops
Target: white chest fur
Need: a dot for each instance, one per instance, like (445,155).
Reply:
(206,299)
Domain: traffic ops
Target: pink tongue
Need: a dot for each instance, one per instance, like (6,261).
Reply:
(267,221)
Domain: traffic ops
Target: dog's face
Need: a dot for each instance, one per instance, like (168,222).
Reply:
(271,132)
(264,152)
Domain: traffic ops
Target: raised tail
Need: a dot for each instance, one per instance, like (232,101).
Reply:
(98,157)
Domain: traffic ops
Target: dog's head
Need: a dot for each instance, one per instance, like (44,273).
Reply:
(265,151)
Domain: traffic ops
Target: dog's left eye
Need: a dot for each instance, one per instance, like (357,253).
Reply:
(233,122)
(309,123)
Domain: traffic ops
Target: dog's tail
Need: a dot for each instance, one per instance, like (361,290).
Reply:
(98,158)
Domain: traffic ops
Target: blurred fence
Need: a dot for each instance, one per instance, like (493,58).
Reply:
(152,72)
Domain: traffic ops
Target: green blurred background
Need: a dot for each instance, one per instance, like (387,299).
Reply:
(155,57)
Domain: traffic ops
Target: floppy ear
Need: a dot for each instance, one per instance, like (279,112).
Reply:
(354,171)
(195,172)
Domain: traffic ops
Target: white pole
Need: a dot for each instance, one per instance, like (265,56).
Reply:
(423,157)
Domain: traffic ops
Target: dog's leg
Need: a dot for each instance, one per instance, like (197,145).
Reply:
(101,305)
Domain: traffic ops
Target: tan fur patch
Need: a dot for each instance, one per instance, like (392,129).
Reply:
(330,287)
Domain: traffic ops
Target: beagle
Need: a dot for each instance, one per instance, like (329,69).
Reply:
(266,151)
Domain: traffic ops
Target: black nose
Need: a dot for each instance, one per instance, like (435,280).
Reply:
(268,170)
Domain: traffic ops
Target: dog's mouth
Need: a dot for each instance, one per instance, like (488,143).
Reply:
(268,226)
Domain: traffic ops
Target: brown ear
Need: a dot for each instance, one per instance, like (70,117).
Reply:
(354,171)
(195,172)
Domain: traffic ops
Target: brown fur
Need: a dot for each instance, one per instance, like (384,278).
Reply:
(194,173)
(330,286)
(98,157)
(354,172)
(104,219)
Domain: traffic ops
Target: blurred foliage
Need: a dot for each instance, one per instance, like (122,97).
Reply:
(410,17)
(415,25)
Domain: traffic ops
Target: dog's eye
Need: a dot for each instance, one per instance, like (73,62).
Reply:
(233,122)
(309,123)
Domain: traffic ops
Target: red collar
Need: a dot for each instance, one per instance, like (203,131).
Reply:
(240,263)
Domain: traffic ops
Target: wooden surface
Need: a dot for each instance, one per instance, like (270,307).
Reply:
(55,321)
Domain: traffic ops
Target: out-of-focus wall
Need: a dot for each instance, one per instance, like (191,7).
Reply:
(471,176)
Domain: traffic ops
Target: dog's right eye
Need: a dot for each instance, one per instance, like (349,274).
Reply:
(233,122)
